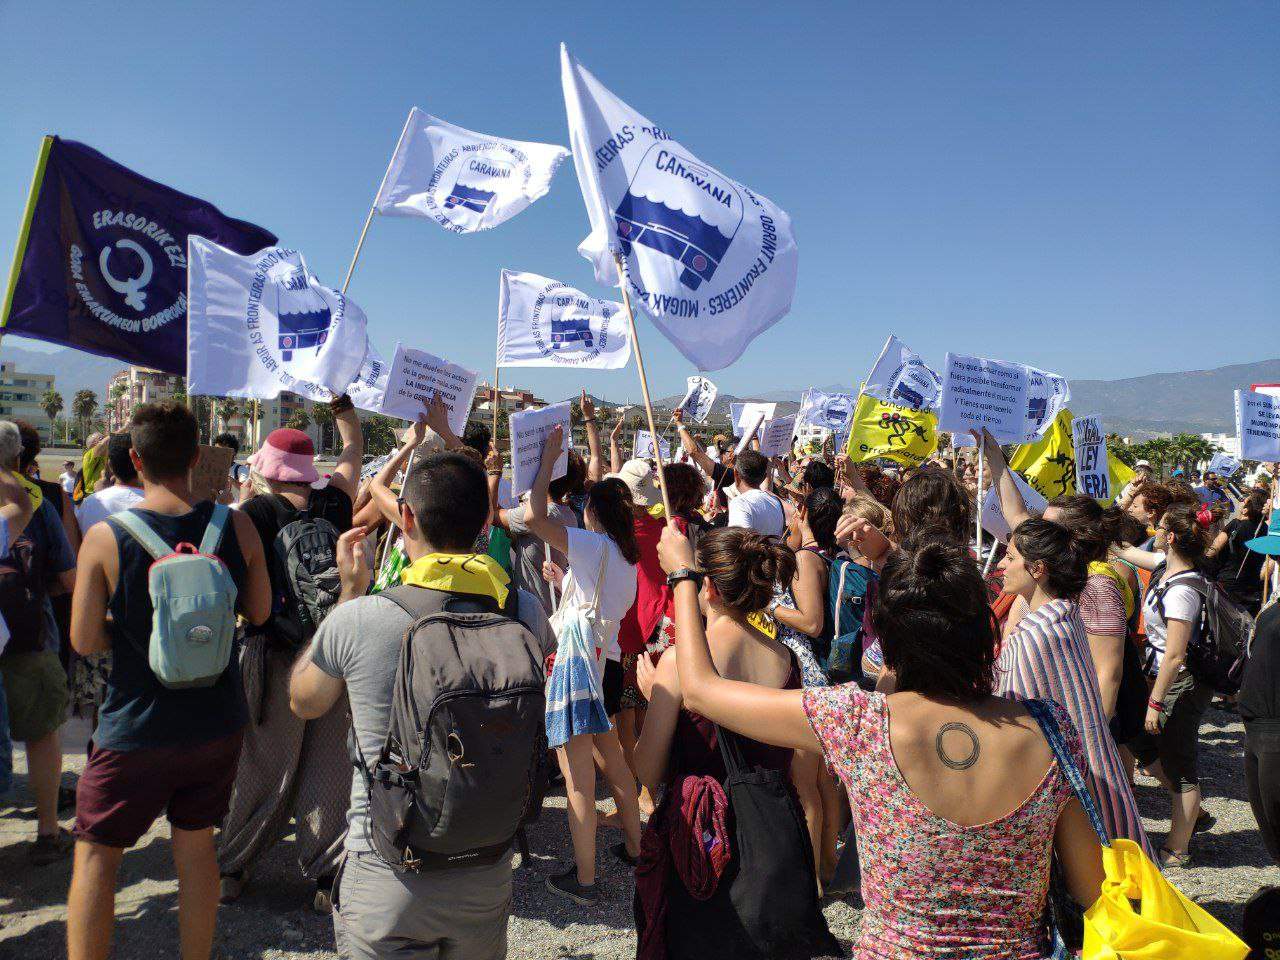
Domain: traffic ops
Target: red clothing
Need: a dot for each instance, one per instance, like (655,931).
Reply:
(651,588)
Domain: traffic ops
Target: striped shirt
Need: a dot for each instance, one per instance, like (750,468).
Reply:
(1047,657)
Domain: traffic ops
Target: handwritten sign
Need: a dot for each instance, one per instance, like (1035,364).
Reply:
(416,377)
(1093,475)
(743,413)
(529,429)
(775,436)
(645,449)
(212,472)
(749,431)
(699,396)
(978,393)
(1258,425)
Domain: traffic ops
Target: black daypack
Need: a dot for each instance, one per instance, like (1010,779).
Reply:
(457,771)
(1219,648)
(22,591)
(307,583)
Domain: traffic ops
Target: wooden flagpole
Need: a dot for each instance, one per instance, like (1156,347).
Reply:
(644,382)
(497,399)
(373,208)
(24,231)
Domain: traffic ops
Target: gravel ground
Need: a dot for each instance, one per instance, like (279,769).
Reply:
(273,920)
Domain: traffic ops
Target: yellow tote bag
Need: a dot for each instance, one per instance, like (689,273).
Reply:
(1141,916)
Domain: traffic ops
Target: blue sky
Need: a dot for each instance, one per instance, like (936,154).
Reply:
(1090,187)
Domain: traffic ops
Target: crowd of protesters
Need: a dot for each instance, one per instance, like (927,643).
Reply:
(803,658)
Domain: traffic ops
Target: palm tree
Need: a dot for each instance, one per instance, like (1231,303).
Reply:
(51,404)
(83,406)
(299,421)
(322,414)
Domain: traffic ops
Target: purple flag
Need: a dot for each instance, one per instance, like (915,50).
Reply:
(101,263)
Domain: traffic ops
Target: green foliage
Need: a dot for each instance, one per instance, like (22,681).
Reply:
(1165,454)
(379,434)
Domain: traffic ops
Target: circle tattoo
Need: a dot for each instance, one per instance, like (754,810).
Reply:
(961,763)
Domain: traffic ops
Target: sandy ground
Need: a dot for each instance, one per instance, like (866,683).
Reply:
(273,920)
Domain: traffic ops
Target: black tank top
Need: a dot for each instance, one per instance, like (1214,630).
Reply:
(139,711)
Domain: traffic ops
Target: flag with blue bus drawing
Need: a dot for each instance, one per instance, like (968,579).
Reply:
(463,180)
(261,324)
(1224,465)
(829,411)
(546,323)
(710,261)
(900,377)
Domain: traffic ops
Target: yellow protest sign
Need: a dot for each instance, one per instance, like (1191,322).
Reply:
(896,433)
(1049,464)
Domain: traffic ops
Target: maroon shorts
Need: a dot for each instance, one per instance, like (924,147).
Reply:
(121,792)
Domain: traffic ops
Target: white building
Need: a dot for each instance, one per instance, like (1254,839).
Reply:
(20,396)
(1229,443)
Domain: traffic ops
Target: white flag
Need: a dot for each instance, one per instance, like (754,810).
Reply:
(261,324)
(545,323)
(463,180)
(741,414)
(830,411)
(1047,396)
(369,388)
(699,398)
(645,449)
(712,263)
(902,378)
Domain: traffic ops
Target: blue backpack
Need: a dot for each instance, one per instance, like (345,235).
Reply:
(847,588)
(193,601)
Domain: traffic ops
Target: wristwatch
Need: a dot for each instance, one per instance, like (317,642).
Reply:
(684,573)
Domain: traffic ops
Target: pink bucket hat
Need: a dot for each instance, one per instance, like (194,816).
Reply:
(286,456)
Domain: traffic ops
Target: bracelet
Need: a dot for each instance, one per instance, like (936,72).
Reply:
(684,573)
(1156,705)
(494,473)
(341,404)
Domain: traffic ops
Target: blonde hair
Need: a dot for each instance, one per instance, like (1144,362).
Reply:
(262,486)
(867,508)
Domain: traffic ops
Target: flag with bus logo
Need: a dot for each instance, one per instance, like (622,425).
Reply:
(261,324)
(463,180)
(883,430)
(1049,464)
(712,262)
(546,323)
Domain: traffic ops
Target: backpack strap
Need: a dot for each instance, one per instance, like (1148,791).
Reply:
(604,565)
(132,523)
(1048,724)
(212,538)
(844,571)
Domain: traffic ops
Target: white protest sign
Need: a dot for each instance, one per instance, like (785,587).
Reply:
(699,396)
(529,429)
(645,449)
(1258,425)
(993,519)
(749,431)
(775,438)
(1093,473)
(743,413)
(417,376)
(978,393)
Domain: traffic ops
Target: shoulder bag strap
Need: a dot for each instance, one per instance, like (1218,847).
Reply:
(844,572)
(1048,724)
(604,565)
(132,524)
(730,751)
(217,526)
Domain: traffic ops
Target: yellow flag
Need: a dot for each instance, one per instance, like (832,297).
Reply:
(896,433)
(1049,464)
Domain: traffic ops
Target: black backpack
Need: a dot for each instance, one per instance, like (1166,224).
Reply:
(1219,648)
(22,592)
(457,772)
(306,562)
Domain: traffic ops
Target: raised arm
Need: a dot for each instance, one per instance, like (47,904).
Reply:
(1011,502)
(1144,559)
(808,589)
(761,713)
(346,474)
(380,492)
(615,456)
(692,447)
(595,460)
(547,529)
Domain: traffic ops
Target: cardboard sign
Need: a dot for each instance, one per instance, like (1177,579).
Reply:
(775,437)
(212,472)
(529,429)
(1093,478)
(416,377)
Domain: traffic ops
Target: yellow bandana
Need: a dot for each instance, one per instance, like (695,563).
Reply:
(764,623)
(459,573)
(33,491)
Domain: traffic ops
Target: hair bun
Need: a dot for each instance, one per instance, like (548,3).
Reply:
(931,558)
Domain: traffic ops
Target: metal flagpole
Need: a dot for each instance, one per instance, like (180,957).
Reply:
(644,383)
(979,497)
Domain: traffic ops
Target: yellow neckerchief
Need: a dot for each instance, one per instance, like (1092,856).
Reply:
(1101,568)
(459,573)
(33,491)
(764,623)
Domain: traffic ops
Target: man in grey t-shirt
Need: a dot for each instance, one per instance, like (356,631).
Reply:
(458,912)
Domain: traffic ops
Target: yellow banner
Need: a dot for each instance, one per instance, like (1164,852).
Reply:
(1049,464)
(880,429)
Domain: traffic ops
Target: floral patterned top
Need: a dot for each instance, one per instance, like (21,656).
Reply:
(934,888)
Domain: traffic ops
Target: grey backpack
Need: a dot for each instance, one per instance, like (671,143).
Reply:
(456,774)
(306,557)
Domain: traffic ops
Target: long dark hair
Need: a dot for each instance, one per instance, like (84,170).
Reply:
(935,625)
(1186,534)
(933,500)
(823,508)
(1094,526)
(1063,553)
(745,566)
(609,501)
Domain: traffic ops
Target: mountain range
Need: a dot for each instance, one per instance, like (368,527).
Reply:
(1193,401)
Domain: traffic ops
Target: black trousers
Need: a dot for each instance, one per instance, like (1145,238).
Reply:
(1262,777)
